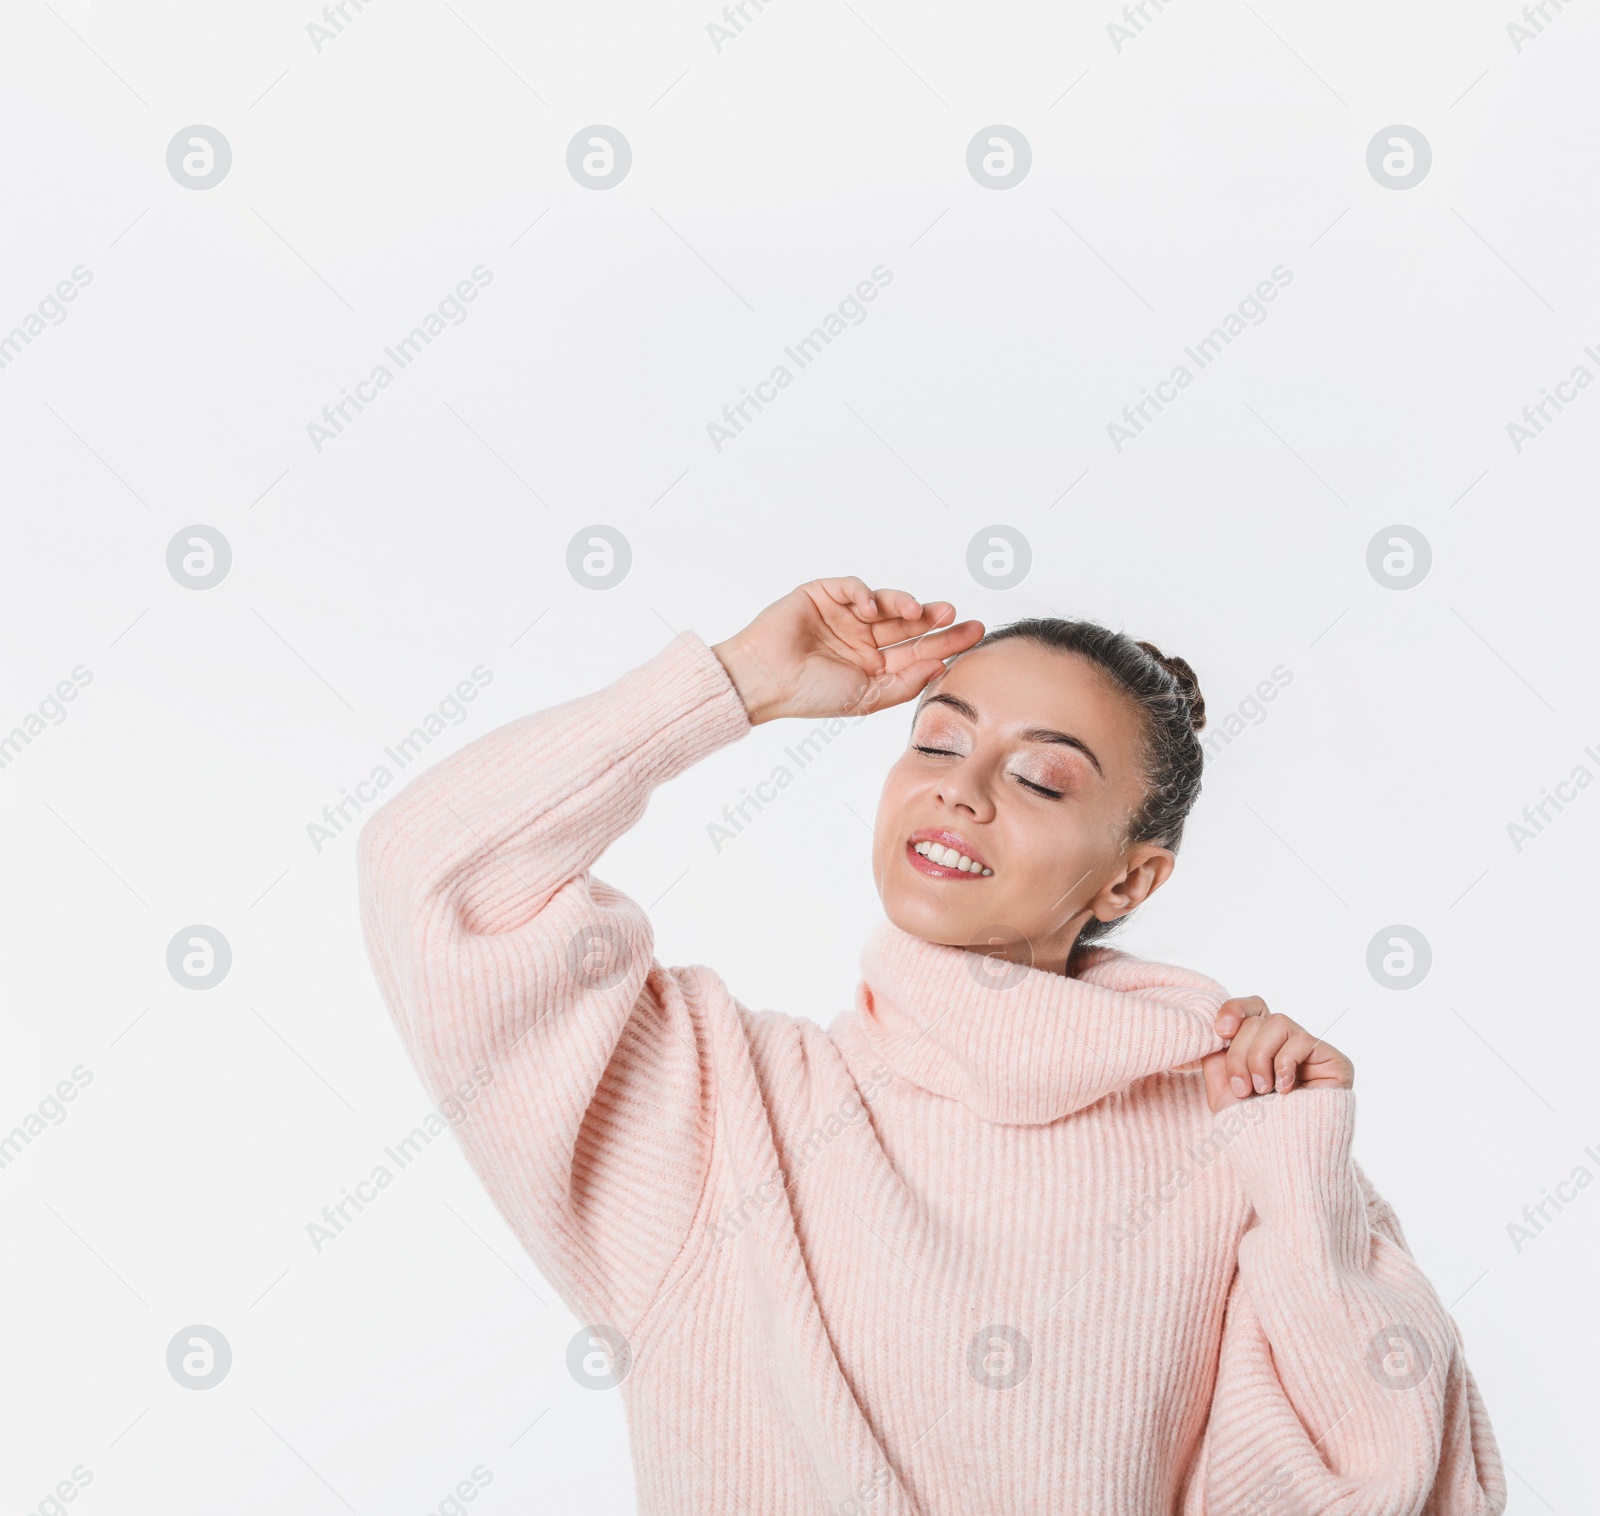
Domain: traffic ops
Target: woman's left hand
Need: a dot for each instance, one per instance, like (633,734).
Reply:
(1268,1051)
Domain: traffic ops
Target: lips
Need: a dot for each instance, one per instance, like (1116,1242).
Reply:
(945,845)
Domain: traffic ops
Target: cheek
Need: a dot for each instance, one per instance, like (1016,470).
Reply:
(1098,837)
(893,791)
(1059,857)
(897,785)
(904,786)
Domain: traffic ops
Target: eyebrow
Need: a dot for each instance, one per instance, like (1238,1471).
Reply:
(1033,733)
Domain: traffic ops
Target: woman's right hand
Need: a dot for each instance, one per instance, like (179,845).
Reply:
(833,647)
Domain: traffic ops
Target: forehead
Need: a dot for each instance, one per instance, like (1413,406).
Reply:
(1020,682)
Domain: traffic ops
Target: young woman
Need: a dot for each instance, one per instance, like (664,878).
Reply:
(1036,1226)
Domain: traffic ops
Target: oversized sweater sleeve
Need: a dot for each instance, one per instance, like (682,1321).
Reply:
(572,1065)
(1342,1387)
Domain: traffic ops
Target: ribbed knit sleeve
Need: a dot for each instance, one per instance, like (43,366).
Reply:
(1342,1387)
(526,991)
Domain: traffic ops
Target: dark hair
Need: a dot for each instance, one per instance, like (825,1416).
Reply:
(1168,695)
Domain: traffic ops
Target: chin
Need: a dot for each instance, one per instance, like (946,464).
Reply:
(926,919)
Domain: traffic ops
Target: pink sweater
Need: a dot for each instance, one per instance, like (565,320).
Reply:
(977,1247)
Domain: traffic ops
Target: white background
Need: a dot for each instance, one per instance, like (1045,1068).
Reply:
(368,578)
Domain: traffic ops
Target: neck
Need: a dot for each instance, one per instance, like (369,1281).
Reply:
(1056,952)
(1023,1046)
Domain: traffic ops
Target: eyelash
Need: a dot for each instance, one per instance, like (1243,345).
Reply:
(1038,789)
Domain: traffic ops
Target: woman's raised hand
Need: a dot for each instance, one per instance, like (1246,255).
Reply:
(833,647)
(1267,1051)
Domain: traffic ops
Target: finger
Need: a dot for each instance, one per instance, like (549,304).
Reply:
(901,615)
(1278,1050)
(1231,1059)
(1325,1065)
(900,603)
(885,616)
(937,646)
(891,687)
(901,628)
(1250,1055)
(850,591)
(1231,1013)
(1215,1070)
(1287,1064)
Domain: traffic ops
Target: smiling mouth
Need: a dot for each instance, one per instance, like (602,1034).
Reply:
(942,862)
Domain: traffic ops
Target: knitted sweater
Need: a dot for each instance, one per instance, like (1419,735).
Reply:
(978,1247)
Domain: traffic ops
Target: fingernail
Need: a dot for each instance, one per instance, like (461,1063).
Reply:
(1263,1084)
(1240,1088)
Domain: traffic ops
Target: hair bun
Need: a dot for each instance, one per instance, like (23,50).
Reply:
(1180,670)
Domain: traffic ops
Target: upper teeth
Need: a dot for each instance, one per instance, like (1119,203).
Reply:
(950,858)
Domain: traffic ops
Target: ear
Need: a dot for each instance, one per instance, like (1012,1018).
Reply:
(1146,868)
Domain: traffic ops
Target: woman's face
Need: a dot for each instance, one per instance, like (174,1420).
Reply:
(1026,760)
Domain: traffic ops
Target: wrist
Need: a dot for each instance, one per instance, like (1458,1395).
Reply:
(746,671)
(1292,1155)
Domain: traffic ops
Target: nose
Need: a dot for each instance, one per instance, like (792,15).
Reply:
(965,789)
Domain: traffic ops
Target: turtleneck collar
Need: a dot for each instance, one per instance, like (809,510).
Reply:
(1023,1046)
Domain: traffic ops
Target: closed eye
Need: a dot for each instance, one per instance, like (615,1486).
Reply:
(1038,789)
